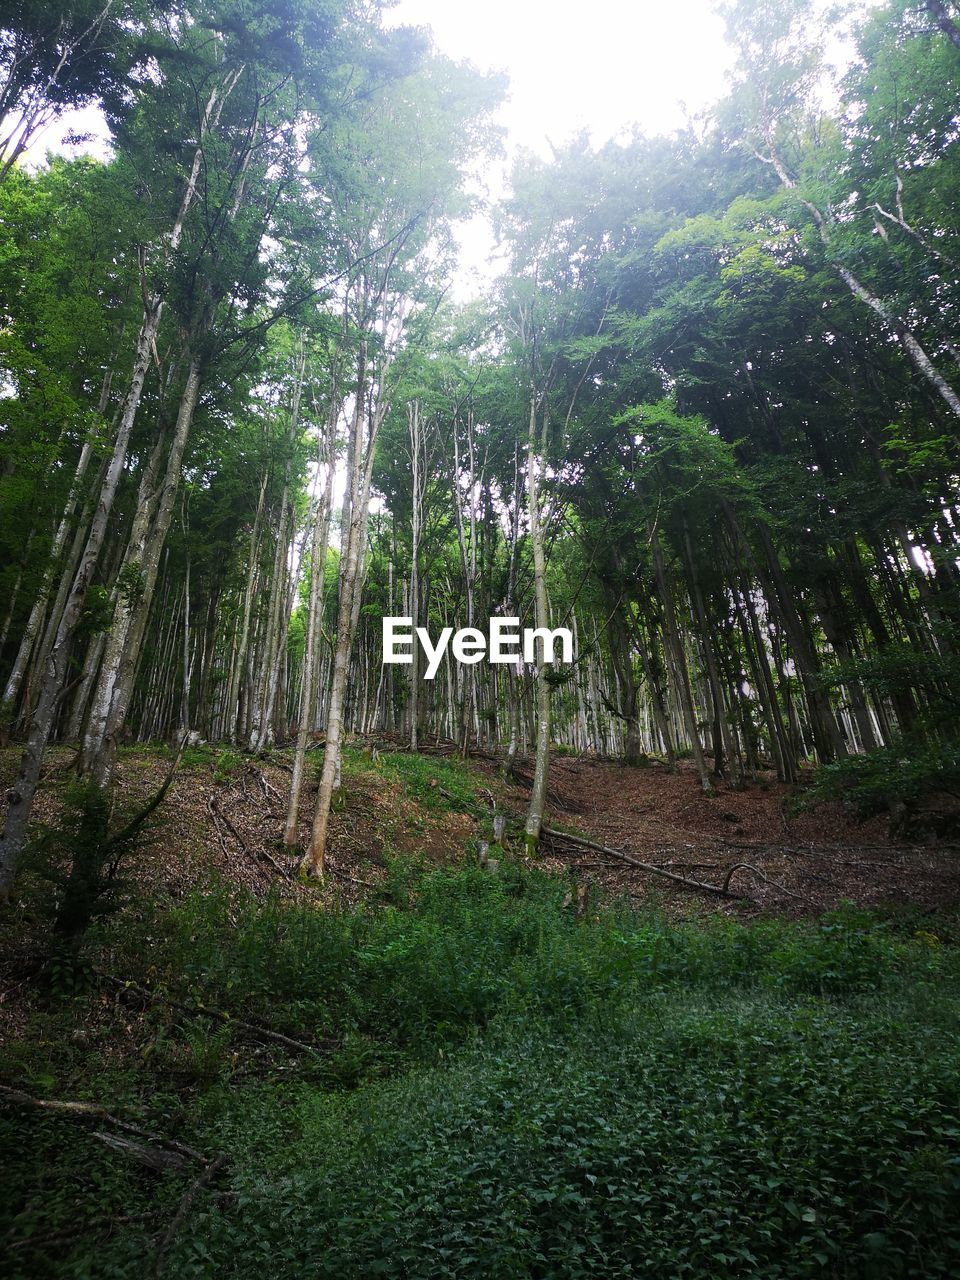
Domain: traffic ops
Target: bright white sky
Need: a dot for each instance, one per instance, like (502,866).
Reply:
(602,66)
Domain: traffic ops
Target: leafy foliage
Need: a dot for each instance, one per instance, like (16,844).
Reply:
(561,1097)
(910,770)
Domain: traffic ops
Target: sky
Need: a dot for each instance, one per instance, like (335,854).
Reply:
(603,67)
(599,66)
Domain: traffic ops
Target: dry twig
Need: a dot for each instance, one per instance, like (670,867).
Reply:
(183,1210)
(720,891)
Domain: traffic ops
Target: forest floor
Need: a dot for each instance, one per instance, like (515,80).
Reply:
(797,862)
(419,1069)
(225,814)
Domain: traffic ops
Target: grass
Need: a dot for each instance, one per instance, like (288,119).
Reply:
(436,782)
(510,1093)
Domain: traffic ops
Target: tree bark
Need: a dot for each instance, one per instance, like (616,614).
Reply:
(675,648)
(538,791)
(14,834)
(318,560)
(938,11)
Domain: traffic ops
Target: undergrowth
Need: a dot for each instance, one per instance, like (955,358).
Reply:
(500,1091)
(911,771)
(437,783)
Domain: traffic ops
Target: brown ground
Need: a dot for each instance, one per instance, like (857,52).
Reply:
(232,824)
(817,859)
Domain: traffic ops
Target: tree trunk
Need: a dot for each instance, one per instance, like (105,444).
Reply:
(538,792)
(141,565)
(318,559)
(356,498)
(13,836)
(675,648)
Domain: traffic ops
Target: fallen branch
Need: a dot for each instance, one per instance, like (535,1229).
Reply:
(71,1233)
(448,795)
(692,866)
(136,822)
(61,766)
(365,884)
(449,749)
(159,1160)
(266,786)
(94,1111)
(183,1210)
(217,813)
(746,866)
(554,797)
(217,1014)
(719,891)
(828,850)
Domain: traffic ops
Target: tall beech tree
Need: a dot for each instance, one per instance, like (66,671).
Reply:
(392,204)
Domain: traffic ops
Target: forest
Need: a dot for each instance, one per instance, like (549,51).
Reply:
(642,962)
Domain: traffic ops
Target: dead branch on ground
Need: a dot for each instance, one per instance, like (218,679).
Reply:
(154,997)
(719,891)
(183,1211)
(176,1152)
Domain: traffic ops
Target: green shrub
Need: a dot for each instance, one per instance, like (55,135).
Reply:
(508,1092)
(436,782)
(907,772)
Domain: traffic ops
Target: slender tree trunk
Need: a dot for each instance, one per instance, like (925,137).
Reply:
(356,500)
(893,323)
(187,658)
(415,436)
(38,612)
(318,559)
(141,565)
(538,793)
(239,668)
(513,693)
(727,744)
(14,834)
(15,592)
(675,647)
(650,661)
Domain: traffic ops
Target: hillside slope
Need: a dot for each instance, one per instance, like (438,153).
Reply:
(422,1069)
